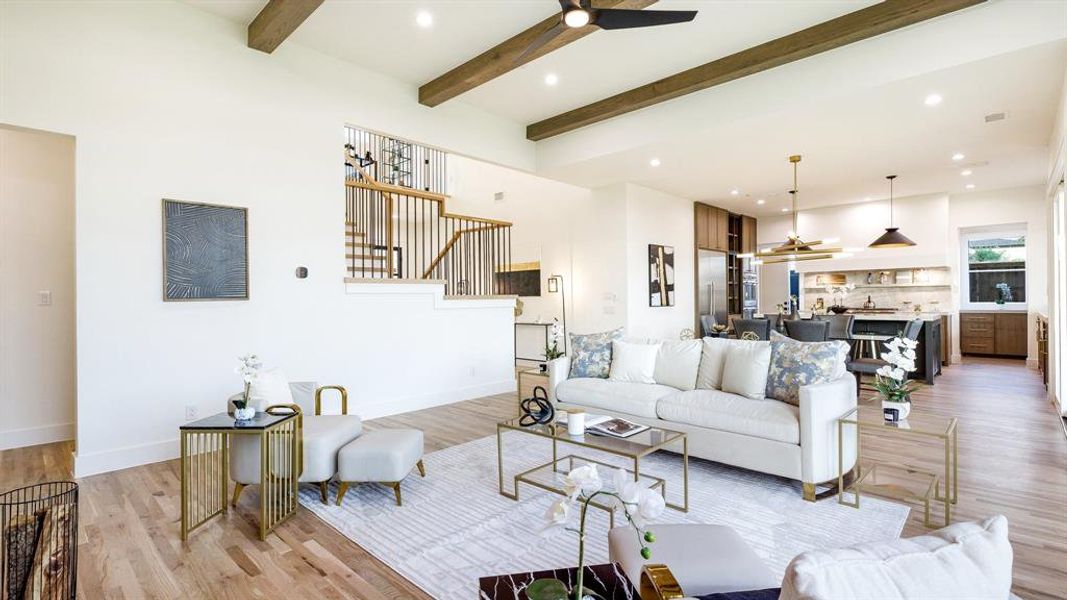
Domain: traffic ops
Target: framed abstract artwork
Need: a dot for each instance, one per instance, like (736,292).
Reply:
(660,275)
(205,251)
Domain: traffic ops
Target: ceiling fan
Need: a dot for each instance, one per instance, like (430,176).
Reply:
(579,13)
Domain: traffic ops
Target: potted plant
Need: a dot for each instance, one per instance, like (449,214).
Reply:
(248,367)
(552,351)
(891,380)
(582,484)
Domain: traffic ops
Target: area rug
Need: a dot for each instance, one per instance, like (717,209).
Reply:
(455,527)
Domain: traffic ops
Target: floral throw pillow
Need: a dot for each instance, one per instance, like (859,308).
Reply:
(591,353)
(795,364)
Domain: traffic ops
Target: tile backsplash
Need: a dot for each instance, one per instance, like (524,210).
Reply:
(903,289)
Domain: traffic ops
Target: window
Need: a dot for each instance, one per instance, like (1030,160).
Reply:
(994,267)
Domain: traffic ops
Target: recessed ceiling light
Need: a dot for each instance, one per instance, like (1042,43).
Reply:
(965,172)
(958,156)
(551,79)
(970,186)
(654,162)
(424,19)
(932,100)
(761,201)
(735,192)
(785,210)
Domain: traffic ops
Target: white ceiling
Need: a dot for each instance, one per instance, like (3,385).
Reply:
(851,133)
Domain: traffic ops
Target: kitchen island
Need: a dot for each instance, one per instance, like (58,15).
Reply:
(928,354)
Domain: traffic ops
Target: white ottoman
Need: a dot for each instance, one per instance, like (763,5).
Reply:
(383,456)
(705,559)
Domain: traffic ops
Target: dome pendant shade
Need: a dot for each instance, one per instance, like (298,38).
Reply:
(892,238)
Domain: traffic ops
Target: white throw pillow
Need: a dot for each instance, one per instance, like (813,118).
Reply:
(271,387)
(965,560)
(633,363)
(712,358)
(677,363)
(745,370)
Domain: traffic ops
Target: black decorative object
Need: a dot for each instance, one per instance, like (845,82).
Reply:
(39,541)
(537,410)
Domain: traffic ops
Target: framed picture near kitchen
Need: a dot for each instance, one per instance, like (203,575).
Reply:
(205,252)
(660,275)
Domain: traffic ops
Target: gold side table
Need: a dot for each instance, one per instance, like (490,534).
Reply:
(901,482)
(205,467)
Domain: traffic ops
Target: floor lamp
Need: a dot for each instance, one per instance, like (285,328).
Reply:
(555,285)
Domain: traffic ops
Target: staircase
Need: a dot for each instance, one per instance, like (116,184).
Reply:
(396,231)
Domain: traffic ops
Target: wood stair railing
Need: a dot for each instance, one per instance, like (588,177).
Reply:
(395,232)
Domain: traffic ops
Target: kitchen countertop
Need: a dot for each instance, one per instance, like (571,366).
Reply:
(896,316)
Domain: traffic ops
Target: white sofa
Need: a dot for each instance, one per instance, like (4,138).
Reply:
(765,435)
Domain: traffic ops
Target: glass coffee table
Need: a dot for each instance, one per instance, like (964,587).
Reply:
(634,448)
(902,481)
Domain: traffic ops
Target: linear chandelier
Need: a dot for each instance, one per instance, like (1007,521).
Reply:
(794,248)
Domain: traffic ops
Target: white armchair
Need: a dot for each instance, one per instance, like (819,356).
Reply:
(323,436)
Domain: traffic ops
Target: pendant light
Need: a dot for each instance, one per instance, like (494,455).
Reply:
(794,248)
(892,238)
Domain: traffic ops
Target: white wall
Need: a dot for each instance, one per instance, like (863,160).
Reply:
(1001,207)
(653,217)
(167,101)
(37,357)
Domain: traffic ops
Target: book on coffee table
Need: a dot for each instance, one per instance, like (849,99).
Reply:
(616,427)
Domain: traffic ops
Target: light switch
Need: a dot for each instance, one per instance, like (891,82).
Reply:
(44,298)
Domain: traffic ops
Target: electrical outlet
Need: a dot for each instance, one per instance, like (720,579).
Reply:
(192,413)
(44,298)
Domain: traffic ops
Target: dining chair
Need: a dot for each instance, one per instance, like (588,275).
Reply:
(761,328)
(809,330)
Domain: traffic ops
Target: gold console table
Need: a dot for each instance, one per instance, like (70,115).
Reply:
(902,482)
(205,466)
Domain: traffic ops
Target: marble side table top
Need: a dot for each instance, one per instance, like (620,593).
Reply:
(608,580)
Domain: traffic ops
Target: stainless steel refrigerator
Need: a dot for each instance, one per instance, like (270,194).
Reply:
(711,289)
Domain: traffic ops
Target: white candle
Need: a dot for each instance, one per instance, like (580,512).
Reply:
(576,422)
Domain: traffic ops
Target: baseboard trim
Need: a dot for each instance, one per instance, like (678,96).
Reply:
(153,452)
(34,436)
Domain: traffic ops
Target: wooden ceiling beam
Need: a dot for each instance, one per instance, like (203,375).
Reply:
(277,21)
(505,56)
(880,18)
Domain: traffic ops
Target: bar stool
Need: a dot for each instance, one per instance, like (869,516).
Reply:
(868,344)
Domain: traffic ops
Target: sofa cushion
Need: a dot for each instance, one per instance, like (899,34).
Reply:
(638,399)
(712,358)
(744,371)
(270,387)
(677,363)
(794,364)
(714,409)
(965,560)
(633,363)
(591,353)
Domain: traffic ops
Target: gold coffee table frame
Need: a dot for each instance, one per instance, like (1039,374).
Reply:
(926,486)
(205,466)
(628,448)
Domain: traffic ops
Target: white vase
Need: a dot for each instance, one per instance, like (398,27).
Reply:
(244,414)
(902,408)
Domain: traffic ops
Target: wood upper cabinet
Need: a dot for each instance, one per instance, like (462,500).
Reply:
(712,226)
(748,235)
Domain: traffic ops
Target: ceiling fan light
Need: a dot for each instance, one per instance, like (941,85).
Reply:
(576,17)
(892,238)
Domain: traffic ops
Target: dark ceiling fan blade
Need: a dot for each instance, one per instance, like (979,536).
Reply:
(626,18)
(540,41)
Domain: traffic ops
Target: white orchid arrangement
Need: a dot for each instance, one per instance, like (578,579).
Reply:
(891,380)
(839,292)
(581,485)
(552,351)
(248,366)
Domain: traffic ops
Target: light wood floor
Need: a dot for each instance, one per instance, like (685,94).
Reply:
(1013,461)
